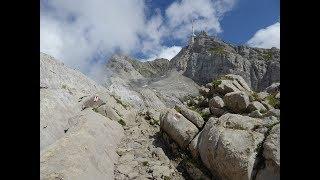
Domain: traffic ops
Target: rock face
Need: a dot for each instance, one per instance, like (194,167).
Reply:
(273,88)
(144,84)
(228,146)
(180,129)
(237,101)
(75,143)
(208,58)
(271,153)
(216,102)
(256,105)
(192,116)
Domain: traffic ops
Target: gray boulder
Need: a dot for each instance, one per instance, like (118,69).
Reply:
(263,95)
(226,86)
(256,114)
(216,102)
(192,116)
(236,101)
(217,112)
(273,112)
(194,146)
(204,91)
(271,153)
(181,130)
(273,88)
(256,105)
(228,146)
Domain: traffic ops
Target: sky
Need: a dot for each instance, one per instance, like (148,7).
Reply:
(85,33)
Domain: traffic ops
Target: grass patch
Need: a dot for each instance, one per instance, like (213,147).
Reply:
(216,82)
(273,101)
(154,122)
(121,121)
(95,110)
(205,116)
(166,178)
(255,97)
(119,101)
(219,50)
(267,55)
(177,109)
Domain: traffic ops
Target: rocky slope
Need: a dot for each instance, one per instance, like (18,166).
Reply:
(75,141)
(208,58)
(232,131)
(212,112)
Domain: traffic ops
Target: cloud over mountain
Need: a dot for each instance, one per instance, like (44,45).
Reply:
(267,37)
(84,33)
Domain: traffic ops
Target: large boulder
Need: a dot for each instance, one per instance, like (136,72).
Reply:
(192,116)
(225,86)
(228,146)
(204,91)
(216,102)
(194,146)
(180,129)
(271,153)
(239,82)
(237,101)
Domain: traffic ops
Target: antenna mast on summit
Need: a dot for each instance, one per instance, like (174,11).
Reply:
(193,29)
(192,35)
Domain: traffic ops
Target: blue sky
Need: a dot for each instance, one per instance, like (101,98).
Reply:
(240,24)
(85,34)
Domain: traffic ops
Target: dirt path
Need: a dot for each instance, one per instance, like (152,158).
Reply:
(143,154)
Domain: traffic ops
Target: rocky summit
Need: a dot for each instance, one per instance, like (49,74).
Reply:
(212,112)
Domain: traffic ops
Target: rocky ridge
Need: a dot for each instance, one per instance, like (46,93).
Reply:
(208,58)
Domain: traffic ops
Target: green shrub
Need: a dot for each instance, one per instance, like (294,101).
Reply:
(267,55)
(119,101)
(95,110)
(219,50)
(216,82)
(254,97)
(273,101)
(64,86)
(121,121)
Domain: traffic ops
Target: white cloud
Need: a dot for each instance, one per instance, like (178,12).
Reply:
(79,32)
(97,26)
(266,38)
(206,13)
(166,53)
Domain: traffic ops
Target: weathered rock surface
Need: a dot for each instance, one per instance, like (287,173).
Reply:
(87,151)
(256,105)
(75,143)
(273,88)
(80,119)
(271,153)
(181,130)
(209,58)
(216,102)
(228,146)
(192,116)
(236,101)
